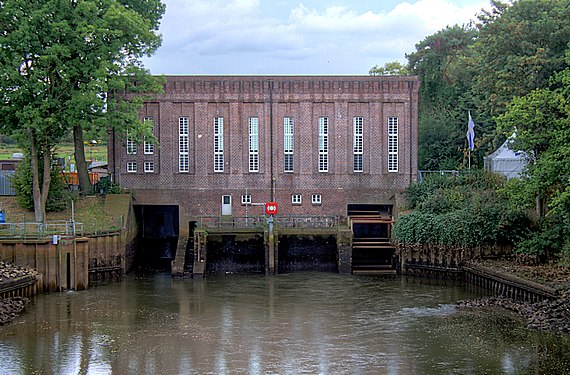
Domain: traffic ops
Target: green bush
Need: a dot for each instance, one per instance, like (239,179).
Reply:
(58,196)
(463,210)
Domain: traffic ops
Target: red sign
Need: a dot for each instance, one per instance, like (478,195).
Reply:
(271,208)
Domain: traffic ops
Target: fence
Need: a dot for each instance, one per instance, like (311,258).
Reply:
(6,187)
(32,230)
(259,222)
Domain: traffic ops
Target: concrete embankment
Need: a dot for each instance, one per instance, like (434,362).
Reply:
(12,280)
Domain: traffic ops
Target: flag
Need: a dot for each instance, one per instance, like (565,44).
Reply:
(471,133)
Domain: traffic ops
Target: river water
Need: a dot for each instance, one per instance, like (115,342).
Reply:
(298,323)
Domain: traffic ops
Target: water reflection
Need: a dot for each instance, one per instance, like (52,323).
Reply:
(314,323)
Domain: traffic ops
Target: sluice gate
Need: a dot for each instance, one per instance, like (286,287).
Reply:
(372,250)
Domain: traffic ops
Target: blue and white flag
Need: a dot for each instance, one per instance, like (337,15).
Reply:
(471,133)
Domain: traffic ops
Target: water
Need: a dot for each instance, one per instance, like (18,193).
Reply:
(299,323)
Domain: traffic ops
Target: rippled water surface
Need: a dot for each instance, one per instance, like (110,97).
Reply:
(299,323)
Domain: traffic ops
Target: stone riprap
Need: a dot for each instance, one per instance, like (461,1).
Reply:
(12,306)
(548,315)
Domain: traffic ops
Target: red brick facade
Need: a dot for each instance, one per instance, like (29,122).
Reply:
(271,98)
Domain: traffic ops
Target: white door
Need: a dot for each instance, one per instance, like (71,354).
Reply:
(226,204)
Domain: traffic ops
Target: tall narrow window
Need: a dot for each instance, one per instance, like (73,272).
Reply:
(183,147)
(218,144)
(288,143)
(253,144)
(357,144)
(131,145)
(323,144)
(392,144)
(148,147)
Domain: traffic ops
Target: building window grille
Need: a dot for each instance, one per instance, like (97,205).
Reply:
(246,199)
(253,144)
(149,166)
(288,145)
(323,144)
(296,199)
(131,145)
(218,144)
(148,147)
(183,145)
(357,144)
(392,144)
(131,167)
(316,199)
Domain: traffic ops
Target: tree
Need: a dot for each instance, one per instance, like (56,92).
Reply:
(66,65)
(519,47)
(541,120)
(441,62)
(392,68)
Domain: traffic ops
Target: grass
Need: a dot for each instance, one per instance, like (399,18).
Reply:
(87,210)
(97,152)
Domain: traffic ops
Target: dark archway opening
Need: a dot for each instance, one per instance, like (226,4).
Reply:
(157,238)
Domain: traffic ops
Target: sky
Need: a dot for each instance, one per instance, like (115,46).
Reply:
(298,37)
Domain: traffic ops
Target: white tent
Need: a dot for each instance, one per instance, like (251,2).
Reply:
(506,161)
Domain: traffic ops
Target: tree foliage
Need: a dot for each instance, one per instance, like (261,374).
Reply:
(441,61)
(392,68)
(542,122)
(62,64)
(58,195)
(519,47)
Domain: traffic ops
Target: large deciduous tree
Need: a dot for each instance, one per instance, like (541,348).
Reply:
(441,61)
(66,65)
(519,47)
(541,120)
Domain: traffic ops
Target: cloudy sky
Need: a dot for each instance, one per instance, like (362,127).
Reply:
(298,36)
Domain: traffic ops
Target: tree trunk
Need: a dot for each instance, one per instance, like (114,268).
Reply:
(39,193)
(79,152)
(539,206)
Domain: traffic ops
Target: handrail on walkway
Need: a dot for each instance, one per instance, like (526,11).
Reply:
(34,230)
(260,222)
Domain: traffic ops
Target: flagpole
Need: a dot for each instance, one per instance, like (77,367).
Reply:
(469,158)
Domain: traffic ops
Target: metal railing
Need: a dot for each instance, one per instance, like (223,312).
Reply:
(260,222)
(33,230)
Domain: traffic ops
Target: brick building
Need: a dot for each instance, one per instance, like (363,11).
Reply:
(313,144)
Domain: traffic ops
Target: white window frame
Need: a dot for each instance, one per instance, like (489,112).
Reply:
(218,144)
(288,144)
(323,144)
(148,147)
(131,145)
(148,167)
(246,199)
(392,144)
(131,167)
(183,145)
(357,144)
(316,199)
(296,199)
(253,144)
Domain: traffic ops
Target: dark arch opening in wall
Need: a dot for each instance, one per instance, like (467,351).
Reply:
(157,237)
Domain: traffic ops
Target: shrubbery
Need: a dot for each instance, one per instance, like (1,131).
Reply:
(59,195)
(463,210)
